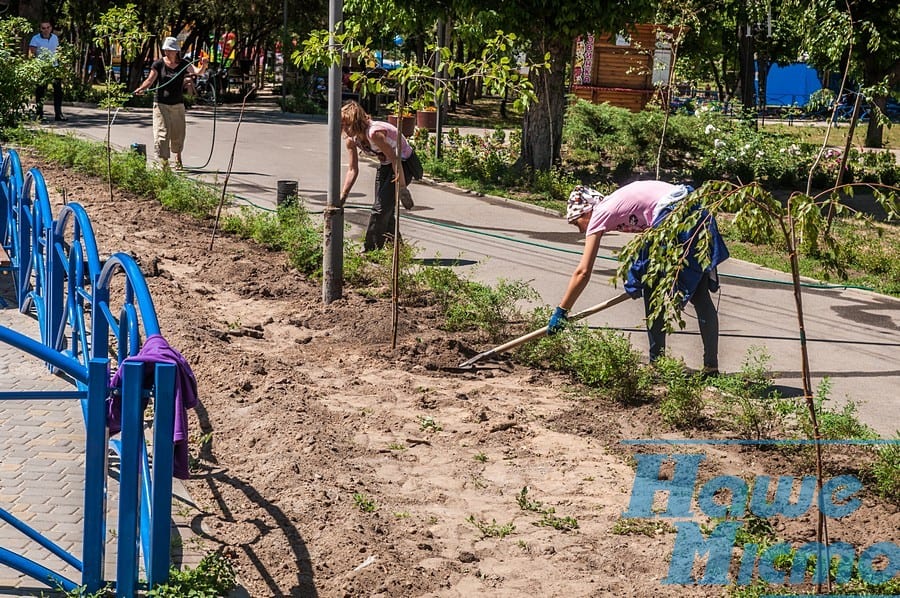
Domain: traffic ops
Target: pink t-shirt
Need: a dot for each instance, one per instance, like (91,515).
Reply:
(390,133)
(630,208)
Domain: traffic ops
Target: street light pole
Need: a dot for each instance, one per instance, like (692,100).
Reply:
(333,237)
(441,101)
(284,45)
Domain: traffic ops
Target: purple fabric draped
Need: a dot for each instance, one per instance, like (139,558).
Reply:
(157,350)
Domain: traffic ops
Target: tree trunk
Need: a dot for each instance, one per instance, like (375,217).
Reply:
(747,69)
(875,132)
(542,126)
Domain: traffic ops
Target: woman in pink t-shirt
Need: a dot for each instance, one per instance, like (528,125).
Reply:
(380,140)
(634,208)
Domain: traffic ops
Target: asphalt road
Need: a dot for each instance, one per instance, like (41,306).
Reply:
(853,335)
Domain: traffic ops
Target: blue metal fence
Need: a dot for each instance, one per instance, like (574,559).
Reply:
(60,278)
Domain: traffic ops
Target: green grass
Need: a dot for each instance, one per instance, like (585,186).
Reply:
(870,255)
(814,133)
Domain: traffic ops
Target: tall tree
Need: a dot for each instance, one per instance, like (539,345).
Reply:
(861,35)
(551,28)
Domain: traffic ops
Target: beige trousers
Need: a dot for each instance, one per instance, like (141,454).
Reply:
(168,129)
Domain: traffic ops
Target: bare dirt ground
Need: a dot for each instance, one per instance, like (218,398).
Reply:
(311,417)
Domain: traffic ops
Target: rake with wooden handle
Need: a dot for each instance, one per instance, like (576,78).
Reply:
(542,331)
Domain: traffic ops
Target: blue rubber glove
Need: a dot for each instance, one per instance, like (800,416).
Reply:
(558,321)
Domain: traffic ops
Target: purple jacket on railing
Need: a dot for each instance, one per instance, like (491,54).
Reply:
(157,350)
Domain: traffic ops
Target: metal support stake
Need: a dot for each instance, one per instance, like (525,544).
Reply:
(333,252)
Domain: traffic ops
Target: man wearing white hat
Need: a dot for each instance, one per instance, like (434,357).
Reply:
(169,74)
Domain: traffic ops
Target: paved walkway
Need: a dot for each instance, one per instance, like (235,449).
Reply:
(42,468)
(42,463)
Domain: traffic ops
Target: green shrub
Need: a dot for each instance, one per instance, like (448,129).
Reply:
(605,359)
(485,160)
(682,406)
(18,74)
(546,352)
(467,305)
(291,230)
(834,424)
(601,359)
(748,402)
(184,195)
(886,470)
(554,184)
(594,128)
(129,171)
(213,577)
(371,272)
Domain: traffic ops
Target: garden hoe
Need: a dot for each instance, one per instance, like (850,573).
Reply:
(542,331)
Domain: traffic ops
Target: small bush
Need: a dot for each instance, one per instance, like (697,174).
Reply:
(546,352)
(467,305)
(184,195)
(748,402)
(682,407)
(605,359)
(552,184)
(886,471)
(371,272)
(291,230)
(842,424)
(213,577)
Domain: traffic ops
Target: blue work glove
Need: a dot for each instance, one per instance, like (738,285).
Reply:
(558,321)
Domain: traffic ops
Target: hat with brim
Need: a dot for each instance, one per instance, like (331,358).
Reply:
(170,43)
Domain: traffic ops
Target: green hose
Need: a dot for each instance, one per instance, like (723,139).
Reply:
(808,285)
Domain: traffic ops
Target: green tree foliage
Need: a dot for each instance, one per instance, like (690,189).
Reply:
(861,35)
(17,74)
(550,29)
(493,67)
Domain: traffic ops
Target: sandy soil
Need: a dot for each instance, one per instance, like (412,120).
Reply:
(309,414)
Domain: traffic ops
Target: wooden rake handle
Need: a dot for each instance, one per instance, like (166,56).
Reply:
(543,331)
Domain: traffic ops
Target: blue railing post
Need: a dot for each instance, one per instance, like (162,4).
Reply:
(56,275)
(23,249)
(55,280)
(132,436)
(94,545)
(163,455)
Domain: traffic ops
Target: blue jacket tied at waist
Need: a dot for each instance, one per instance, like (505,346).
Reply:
(692,272)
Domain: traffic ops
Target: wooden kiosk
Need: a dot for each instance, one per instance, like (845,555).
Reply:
(625,70)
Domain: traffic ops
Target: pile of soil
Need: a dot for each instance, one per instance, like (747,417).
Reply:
(330,464)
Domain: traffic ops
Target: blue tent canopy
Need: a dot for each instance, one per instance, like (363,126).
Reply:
(791,85)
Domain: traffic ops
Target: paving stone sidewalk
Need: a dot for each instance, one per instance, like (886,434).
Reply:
(41,463)
(42,470)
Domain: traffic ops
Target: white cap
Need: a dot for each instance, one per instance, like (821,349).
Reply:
(170,43)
